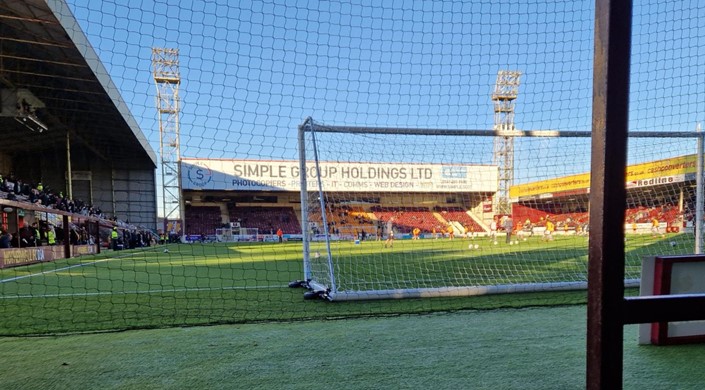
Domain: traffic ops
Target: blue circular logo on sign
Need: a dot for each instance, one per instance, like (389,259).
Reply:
(199,176)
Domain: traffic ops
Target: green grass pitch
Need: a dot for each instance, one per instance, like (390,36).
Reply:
(202,284)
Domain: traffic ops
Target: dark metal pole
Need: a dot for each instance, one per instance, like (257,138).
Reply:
(97,237)
(608,194)
(67,238)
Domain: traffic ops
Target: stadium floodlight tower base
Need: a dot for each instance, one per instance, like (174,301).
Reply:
(360,184)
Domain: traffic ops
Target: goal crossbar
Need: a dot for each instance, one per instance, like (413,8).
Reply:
(310,125)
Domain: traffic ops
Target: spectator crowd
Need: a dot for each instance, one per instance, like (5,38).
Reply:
(44,233)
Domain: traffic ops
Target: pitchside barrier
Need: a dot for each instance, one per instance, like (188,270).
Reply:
(672,275)
(25,256)
(448,181)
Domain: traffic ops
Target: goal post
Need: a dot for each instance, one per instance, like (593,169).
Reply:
(318,272)
(434,189)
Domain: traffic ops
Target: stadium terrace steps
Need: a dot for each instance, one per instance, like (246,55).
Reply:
(406,219)
(462,217)
(477,220)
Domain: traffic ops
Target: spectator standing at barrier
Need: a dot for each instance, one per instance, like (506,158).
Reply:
(26,238)
(114,239)
(126,238)
(508,227)
(280,235)
(5,240)
(36,234)
(59,230)
(74,237)
(51,236)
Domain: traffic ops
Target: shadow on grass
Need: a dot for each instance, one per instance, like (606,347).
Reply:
(202,284)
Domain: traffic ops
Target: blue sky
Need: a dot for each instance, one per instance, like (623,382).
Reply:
(253,70)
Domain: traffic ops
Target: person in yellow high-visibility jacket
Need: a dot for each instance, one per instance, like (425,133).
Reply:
(114,238)
(51,236)
(37,235)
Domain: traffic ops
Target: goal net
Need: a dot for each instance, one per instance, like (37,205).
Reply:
(390,213)
(235,234)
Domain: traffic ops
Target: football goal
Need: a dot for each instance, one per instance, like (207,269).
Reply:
(399,212)
(236,234)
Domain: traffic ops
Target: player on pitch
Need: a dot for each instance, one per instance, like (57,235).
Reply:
(390,233)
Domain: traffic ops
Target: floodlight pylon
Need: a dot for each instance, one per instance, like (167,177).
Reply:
(505,92)
(165,70)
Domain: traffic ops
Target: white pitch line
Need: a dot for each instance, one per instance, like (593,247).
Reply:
(172,290)
(51,271)
(64,268)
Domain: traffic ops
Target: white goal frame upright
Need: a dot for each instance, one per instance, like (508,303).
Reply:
(324,284)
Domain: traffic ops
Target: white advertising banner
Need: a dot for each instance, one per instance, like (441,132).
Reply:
(256,175)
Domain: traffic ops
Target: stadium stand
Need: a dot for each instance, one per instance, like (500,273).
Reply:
(563,221)
(460,215)
(571,221)
(32,195)
(266,219)
(523,213)
(347,221)
(202,219)
(642,214)
(17,189)
(408,218)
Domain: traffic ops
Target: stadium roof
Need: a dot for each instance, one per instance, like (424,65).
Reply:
(44,51)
